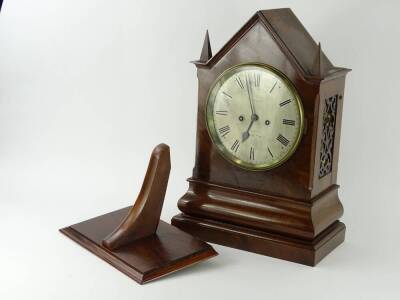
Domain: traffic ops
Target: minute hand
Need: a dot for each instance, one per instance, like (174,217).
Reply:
(246,134)
(248,87)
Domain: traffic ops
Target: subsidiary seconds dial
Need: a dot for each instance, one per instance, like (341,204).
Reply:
(254,116)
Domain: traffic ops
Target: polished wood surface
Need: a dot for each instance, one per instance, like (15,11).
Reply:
(167,251)
(142,220)
(134,239)
(307,252)
(259,211)
(290,200)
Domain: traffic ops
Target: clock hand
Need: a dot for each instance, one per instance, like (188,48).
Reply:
(246,134)
(248,87)
(254,117)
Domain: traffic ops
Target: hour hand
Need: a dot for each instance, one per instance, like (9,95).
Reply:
(245,136)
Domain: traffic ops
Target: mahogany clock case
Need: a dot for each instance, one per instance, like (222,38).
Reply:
(292,211)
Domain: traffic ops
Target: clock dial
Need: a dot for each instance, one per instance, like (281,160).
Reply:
(254,116)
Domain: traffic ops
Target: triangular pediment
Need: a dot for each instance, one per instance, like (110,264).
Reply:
(290,35)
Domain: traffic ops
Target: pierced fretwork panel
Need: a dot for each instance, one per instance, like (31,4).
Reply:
(328,136)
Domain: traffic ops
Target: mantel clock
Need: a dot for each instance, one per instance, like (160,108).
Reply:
(268,129)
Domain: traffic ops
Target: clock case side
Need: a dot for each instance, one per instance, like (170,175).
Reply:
(328,130)
(287,201)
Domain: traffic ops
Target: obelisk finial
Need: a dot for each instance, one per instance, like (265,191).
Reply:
(206,53)
(317,69)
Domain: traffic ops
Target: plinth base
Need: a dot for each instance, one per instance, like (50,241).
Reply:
(169,250)
(271,244)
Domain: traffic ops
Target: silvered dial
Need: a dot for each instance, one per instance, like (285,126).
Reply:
(254,116)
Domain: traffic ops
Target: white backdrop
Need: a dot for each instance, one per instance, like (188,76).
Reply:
(89,87)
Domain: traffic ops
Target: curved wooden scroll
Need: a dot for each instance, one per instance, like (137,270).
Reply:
(143,218)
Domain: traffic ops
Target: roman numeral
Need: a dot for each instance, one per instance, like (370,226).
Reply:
(251,153)
(288,122)
(222,112)
(226,94)
(223,131)
(256,79)
(239,82)
(284,141)
(270,91)
(285,102)
(235,146)
(270,152)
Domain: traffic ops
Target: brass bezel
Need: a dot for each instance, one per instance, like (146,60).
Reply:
(213,133)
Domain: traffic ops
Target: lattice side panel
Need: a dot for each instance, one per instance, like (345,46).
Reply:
(328,136)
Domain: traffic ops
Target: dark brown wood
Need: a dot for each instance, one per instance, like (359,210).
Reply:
(292,200)
(206,52)
(134,239)
(167,251)
(318,68)
(142,220)
(262,242)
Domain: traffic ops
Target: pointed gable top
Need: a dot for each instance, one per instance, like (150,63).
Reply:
(291,35)
(296,38)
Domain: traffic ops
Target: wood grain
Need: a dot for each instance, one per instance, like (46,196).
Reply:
(290,200)
(167,251)
(142,220)
(134,239)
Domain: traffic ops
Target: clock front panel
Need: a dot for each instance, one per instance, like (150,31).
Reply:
(254,116)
